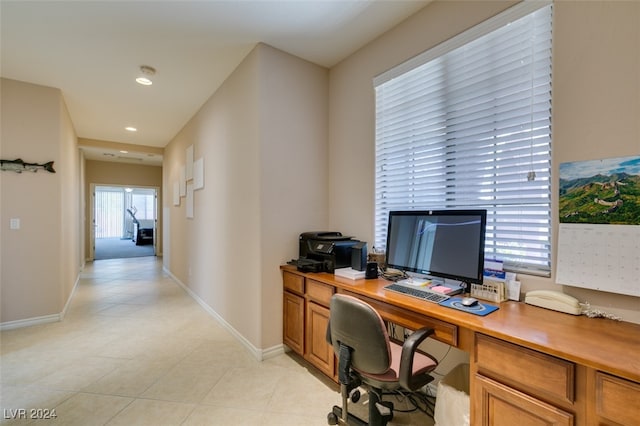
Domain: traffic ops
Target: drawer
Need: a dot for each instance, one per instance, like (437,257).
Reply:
(617,399)
(443,331)
(320,292)
(293,282)
(543,375)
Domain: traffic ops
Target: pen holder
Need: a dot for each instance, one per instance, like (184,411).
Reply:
(493,291)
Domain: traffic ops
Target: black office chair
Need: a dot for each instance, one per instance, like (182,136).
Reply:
(366,357)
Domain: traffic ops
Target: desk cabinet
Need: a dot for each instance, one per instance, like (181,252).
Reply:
(501,405)
(305,320)
(318,352)
(293,324)
(293,312)
(515,385)
(527,368)
(614,400)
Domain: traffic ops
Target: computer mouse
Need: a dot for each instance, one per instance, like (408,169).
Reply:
(469,301)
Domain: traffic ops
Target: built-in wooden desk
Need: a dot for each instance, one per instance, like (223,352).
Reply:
(528,365)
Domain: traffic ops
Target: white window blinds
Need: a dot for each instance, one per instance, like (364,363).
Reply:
(468,125)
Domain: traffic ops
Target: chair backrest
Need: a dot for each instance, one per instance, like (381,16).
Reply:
(357,325)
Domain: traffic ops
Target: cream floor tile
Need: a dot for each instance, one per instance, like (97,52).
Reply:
(85,409)
(186,383)
(301,393)
(287,360)
(122,310)
(79,374)
(204,415)
(26,368)
(124,346)
(229,353)
(143,412)
(169,348)
(283,419)
(29,397)
(249,387)
(199,327)
(132,378)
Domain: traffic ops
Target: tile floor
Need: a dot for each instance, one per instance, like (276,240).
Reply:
(135,349)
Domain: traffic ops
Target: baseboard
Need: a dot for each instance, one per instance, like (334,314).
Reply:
(28,322)
(73,292)
(258,354)
(273,351)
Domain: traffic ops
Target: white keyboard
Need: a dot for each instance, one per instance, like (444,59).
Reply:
(423,294)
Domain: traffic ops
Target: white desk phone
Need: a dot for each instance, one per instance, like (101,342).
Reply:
(554,300)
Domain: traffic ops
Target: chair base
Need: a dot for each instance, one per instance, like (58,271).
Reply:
(335,418)
(380,413)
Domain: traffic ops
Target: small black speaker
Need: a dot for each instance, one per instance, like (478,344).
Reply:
(372,270)
(359,256)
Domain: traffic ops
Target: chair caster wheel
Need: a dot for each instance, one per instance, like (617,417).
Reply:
(332,419)
(355,396)
(385,408)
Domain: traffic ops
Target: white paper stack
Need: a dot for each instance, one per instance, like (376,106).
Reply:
(350,273)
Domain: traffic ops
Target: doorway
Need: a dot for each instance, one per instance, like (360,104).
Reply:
(124,222)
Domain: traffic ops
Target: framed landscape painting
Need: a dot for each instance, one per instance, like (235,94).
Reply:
(600,191)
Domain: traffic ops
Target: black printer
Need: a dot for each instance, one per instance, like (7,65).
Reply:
(324,251)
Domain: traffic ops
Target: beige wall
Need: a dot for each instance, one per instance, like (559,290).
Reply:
(262,136)
(293,170)
(41,260)
(596,105)
(120,174)
(71,197)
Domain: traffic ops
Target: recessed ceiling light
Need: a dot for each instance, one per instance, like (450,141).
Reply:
(131,129)
(145,72)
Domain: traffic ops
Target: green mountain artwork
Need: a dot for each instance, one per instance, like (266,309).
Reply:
(607,193)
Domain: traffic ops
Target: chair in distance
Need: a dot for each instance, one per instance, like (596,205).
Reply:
(368,358)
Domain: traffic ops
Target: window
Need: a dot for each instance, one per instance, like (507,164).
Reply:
(468,125)
(143,201)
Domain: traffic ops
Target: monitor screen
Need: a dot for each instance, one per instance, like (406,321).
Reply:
(438,243)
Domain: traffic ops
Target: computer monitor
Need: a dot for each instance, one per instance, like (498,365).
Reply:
(438,243)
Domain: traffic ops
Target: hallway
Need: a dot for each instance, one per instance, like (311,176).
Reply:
(135,349)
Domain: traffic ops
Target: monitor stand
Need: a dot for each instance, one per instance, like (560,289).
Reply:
(417,280)
(440,285)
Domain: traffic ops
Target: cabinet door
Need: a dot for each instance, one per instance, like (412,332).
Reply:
(616,401)
(496,404)
(318,351)
(293,322)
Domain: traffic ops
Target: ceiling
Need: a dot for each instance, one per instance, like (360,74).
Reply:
(93,50)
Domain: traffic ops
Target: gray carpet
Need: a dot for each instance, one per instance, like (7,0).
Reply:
(115,248)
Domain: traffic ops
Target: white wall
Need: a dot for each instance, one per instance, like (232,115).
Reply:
(596,105)
(262,136)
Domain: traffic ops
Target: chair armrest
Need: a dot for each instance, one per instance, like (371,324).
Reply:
(409,348)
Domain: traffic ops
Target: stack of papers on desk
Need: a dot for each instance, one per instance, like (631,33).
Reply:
(350,273)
